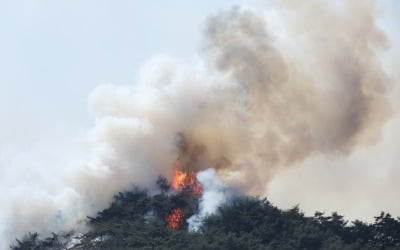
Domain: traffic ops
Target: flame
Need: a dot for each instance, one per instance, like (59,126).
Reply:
(184,180)
(175,218)
(180,179)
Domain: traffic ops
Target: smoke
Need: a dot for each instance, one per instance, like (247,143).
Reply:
(292,90)
(215,193)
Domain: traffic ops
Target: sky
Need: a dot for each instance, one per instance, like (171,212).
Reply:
(53,54)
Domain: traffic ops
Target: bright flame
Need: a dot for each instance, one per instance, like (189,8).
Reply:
(179,180)
(183,180)
(175,218)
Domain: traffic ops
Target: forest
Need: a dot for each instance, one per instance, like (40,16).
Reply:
(137,220)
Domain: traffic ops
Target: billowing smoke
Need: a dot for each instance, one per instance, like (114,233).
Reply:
(277,92)
(215,193)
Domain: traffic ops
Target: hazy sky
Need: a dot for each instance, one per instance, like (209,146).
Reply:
(53,53)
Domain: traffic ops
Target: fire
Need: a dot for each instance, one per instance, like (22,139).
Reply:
(184,180)
(180,179)
(175,218)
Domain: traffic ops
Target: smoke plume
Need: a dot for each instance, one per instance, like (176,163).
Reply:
(215,193)
(298,89)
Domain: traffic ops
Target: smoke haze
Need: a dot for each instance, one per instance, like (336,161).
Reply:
(296,101)
(215,193)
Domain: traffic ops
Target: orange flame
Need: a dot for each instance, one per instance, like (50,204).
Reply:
(175,218)
(183,180)
(180,179)
(188,182)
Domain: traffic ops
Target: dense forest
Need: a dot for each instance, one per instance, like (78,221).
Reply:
(137,220)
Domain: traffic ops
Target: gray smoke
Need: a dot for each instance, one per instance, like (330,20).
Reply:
(297,88)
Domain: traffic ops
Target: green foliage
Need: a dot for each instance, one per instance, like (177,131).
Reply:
(54,242)
(136,220)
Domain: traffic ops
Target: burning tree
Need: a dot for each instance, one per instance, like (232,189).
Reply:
(245,223)
(175,218)
(185,182)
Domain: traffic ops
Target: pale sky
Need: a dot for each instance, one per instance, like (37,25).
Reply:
(53,53)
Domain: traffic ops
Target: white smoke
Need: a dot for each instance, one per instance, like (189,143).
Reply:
(215,194)
(297,101)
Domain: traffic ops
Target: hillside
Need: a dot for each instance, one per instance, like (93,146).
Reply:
(137,220)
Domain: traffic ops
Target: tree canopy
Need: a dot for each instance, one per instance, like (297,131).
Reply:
(136,220)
